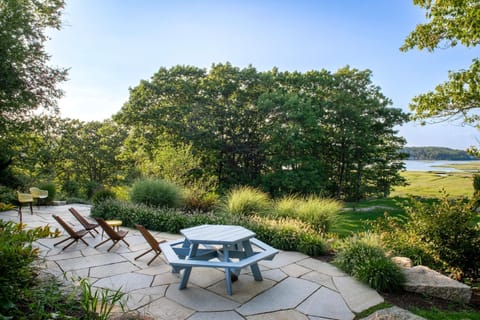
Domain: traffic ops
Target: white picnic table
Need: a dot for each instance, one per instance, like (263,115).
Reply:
(217,246)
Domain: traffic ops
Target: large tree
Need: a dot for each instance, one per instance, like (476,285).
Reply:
(27,82)
(313,132)
(450,22)
(87,152)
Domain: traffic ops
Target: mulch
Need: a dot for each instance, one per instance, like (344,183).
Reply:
(408,300)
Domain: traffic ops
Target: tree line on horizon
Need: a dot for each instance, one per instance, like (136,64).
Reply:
(437,153)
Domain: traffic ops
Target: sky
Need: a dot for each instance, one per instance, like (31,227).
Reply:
(109,46)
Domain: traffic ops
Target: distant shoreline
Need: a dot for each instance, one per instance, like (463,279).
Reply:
(443,165)
(437,154)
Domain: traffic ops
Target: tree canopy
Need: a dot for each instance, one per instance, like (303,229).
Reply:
(449,22)
(286,132)
(27,82)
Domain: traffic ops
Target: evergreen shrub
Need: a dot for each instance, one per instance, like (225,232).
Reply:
(71,188)
(102,195)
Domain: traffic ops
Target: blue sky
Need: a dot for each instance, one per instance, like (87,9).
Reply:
(110,45)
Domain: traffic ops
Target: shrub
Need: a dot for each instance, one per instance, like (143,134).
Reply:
(380,273)
(160,219)
(77,200)
(121,192)
(368,263)
(71,188)
(52,190)
(354,252)
(91,187)
(6,207)
(16,256)
(445,231)
(7,195)
(286,234)
(247,201)
(320,213)
(157,193)
(102,195)
(202,203)
(476,184)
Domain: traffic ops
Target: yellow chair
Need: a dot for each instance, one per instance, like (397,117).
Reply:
(38,194)
(22,199)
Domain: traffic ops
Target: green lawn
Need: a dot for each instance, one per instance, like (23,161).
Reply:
(357,215)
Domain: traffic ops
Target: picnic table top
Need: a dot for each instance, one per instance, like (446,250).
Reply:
(217,234)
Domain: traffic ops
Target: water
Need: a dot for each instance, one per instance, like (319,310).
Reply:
(426,165)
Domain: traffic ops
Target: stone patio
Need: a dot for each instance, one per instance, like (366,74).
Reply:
(295,286)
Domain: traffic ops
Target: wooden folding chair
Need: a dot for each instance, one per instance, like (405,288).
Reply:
(75,235)
(113,235)
(154,244)
(84,222)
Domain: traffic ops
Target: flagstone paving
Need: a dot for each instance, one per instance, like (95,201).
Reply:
(295,286)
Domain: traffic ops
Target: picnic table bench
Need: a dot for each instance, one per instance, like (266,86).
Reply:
(217,246)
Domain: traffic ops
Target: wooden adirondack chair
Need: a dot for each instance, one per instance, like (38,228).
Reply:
(113,235)
(75,235)
(154,244)
(84,222)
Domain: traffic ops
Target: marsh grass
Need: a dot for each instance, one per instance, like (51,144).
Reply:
(429,184)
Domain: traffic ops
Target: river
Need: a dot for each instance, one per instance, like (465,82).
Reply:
(426,165)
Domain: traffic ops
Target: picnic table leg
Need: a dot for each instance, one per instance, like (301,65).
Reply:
(228,271)
(188,270)
(247,246)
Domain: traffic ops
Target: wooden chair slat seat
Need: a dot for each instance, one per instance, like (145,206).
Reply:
(113,235)
(154,244)
(74,235)
(84,222)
